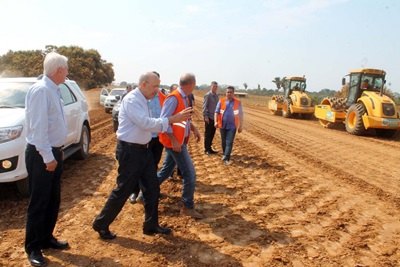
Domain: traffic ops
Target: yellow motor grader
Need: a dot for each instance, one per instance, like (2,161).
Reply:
(294,99)
(364,107)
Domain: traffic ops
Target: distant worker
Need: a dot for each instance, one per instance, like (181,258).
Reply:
(128,89)
(296,87)
(365,85)
(229,119)
(209,104)
(173,87)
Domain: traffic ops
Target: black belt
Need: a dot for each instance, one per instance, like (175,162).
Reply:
(58,148)
(145,146)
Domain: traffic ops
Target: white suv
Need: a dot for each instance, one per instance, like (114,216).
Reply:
(13,132)
(113,98)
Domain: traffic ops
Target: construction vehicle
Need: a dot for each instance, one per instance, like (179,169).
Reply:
(363,107)
(294,99)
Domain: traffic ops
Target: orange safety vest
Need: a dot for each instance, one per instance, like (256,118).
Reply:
(178,128)
(161,97)
(222,109)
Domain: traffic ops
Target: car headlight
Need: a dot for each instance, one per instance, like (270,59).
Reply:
(10,133)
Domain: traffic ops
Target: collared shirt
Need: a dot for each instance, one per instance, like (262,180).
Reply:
(169,107)
(155,110)
(46,125)
(209,104)
(228,119)
(135,122)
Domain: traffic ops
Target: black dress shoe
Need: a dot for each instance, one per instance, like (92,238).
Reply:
(211,152)
(157,230)
(36,258)
(56,244)
(105,234)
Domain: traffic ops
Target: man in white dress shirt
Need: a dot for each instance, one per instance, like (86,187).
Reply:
(46,131)
(136,163)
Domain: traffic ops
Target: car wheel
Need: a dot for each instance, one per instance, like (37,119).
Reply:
(23,187)
(84,143)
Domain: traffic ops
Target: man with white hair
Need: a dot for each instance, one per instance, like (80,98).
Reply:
(46,131)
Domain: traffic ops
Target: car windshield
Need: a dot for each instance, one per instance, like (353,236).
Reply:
(117,92)
(12,94)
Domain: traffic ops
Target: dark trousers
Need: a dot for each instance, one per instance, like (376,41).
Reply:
(156,149)
(209,133)
(44,202)
(136,166)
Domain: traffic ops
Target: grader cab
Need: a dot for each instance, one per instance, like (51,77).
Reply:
(294,99)
(364,106)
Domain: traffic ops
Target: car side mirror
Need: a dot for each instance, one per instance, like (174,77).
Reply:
(118,97)
(343,81)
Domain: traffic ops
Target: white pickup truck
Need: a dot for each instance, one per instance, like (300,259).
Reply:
(13,132)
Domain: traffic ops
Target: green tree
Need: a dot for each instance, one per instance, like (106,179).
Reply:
(85,66)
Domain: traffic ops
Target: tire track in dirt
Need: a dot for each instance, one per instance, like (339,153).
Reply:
(345,154)
(330,227)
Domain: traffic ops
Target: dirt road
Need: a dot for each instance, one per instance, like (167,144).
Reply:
(295,195)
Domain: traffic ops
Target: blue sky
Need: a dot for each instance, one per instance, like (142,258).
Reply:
(232,42)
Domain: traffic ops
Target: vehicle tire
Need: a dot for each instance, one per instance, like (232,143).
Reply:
(286,108)
(107,110)
(115,125)
(385,133)
(354,122)
(23,187)
(84,143)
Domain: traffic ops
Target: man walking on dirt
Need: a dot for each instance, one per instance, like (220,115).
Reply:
(136,162)
(175,142)
(46,132)
(229,119)
(209,104)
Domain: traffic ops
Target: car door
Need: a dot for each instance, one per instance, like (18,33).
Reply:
(72,114)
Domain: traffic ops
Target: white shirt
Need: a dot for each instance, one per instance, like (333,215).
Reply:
(45,121)
(135,122)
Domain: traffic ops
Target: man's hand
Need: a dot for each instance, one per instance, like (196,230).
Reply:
(181,116)
(196,132)
(51,166)
(207,120)
(175,145)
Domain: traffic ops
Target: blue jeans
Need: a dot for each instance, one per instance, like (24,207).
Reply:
(185,164)
(227,137)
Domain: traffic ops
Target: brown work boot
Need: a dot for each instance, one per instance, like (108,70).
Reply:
(191,212)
